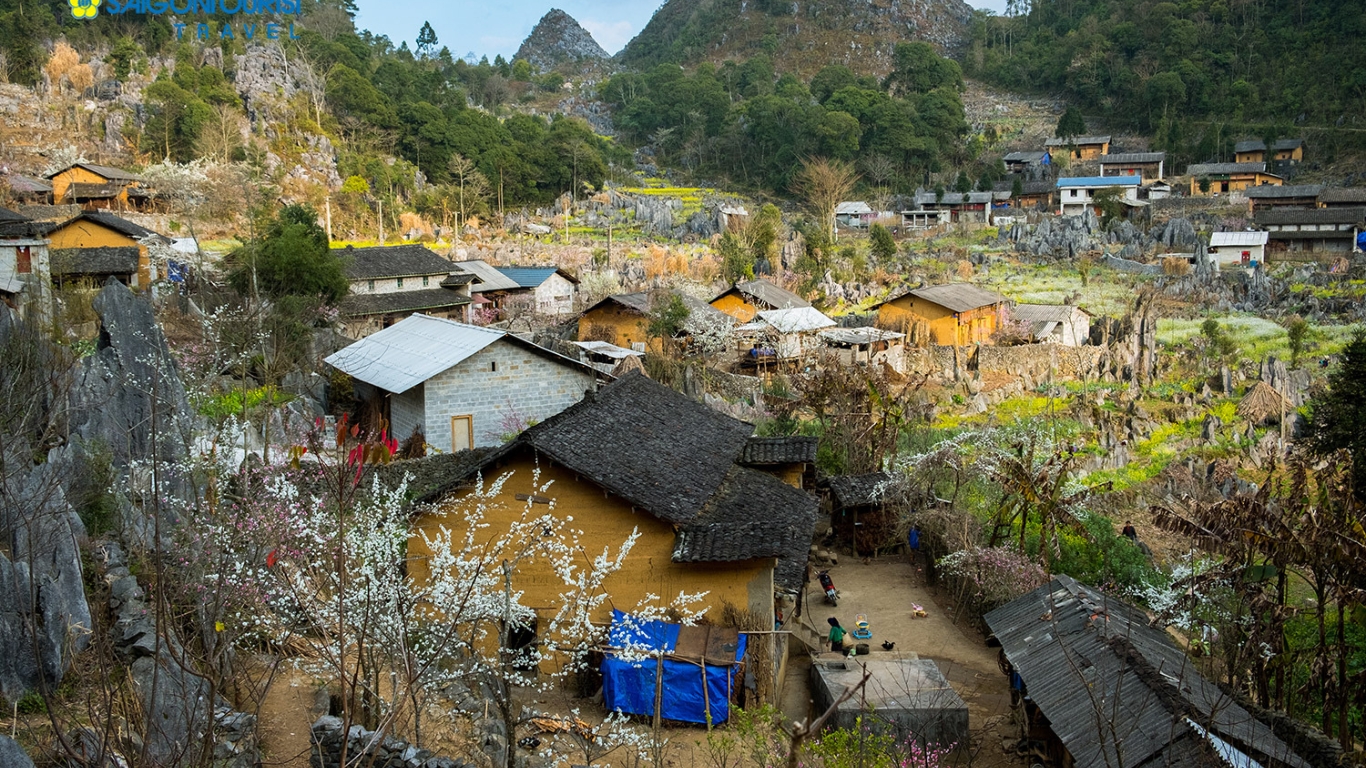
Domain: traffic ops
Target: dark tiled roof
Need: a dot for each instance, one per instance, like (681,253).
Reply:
(1343,195)
(762,451)
(532,277)
(1260,146)
(1309,216)
(753,515)
(361,304)
(1077,141)
(80,191)
(457,279)
(1224,169)
(1027,187)
(392,261)
(959,297)
(1273,192)
(1025,157)
(27,185)
(640,303)
(767,293)
(14,225)
(74,262)
(1088,658)
(118,224)
(857,490)
(107,171)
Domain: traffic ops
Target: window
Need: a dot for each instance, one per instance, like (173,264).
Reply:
(462,433)
(1074,193)
(399,282)
(24,260)
(493,366)
(371,286)
(424,281)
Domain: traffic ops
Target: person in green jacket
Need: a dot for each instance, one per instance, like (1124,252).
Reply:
(836,635)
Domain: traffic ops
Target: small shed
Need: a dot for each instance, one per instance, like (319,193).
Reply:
(854,214)
(905,696)
(857,513)
(788,332)
(1264,405)
(692,673)
(603,356)
(1056,323)
(1238,248)
(861,346)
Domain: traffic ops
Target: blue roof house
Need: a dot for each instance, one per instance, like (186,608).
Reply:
(553,288)
(1078,193)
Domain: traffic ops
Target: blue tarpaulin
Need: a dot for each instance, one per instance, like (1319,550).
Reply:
(1361,241)
(629,686)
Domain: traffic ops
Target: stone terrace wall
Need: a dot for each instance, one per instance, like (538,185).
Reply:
(1033,362)
(388,753)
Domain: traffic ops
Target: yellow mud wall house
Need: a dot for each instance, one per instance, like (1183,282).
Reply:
(743,301)
(622,320)
(100,230)
(1080,147)
(945,315)
(90,185)
(639,456)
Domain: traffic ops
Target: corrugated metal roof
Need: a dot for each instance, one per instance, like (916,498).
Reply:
(532,277)
(1046,313)
(864,335)
(1120,158)
(490,279)
(411,351)
(853,208)
(27,185)
(1115,690)
(610,350)
(1238,239)
(794,320)
(1099,181)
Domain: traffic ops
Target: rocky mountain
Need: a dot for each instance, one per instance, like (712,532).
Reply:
(801,36)
(558,40)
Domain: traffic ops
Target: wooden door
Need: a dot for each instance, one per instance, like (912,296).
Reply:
(462,433)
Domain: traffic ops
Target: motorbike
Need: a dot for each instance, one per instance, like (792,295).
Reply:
(828,584)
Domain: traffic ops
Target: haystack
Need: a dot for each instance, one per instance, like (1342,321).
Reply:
(627,365)
(1263,405)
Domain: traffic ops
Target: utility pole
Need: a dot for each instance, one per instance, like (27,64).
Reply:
(327,207)
(381,221)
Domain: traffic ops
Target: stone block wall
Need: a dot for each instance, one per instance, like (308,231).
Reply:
(501,378)
(1034,362)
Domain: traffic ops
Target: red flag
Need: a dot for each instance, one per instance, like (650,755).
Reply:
(272,558)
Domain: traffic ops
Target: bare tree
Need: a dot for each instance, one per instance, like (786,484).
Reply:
(470,187)
(824,184)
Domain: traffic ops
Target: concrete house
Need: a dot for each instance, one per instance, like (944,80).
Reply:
(25,271)
(1284,151)
(743,301)
(389,283)
(956,314)
(1219,178)
(553,289)
(1077,194)
(96,245)
(97,186)
(1080,147)
(1094,683)
(638,456)
(865,346)
(1231,249)
(460,386)
(1147,166)
(788,333)
(1328,231)
(1055,323)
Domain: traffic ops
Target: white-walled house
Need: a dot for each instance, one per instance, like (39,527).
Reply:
(1077,194)
(25,269)
(1238,248)
(553,288)
(460,386)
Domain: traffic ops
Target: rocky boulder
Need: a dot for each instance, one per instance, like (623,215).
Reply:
(558,40)
(12,755)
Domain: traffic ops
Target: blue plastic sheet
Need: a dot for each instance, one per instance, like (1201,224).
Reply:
(1361,241)
(629,686)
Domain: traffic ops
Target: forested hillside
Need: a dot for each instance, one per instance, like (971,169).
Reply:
(743,122)
(1198,74)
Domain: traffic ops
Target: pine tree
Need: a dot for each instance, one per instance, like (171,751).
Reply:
(426,39)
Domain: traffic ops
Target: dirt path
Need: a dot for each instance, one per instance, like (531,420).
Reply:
(885,590)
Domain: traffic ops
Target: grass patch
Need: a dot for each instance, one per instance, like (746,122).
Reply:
(238,401)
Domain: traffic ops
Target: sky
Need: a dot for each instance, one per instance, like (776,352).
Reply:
(499,27)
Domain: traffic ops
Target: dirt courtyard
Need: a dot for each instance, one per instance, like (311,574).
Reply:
(885,590)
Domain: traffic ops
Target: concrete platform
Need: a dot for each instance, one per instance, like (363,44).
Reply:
(905,695)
